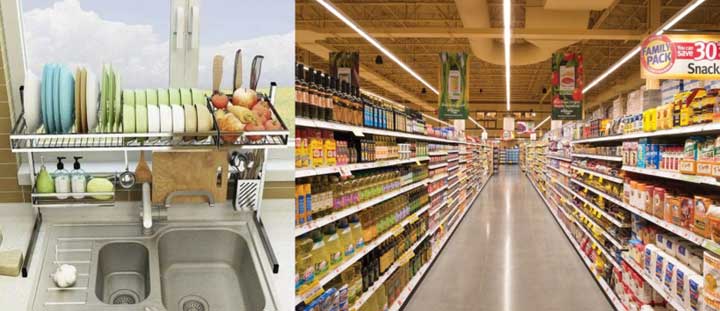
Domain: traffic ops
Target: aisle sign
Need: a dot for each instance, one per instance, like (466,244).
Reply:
(567,85)
(695,57)
(454,86)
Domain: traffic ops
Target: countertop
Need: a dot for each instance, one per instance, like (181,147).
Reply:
(16,221)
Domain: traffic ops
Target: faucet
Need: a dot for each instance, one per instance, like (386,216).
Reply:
(146,209)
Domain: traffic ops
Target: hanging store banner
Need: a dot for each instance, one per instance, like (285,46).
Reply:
(567,85)
(454,86)
(524,127)
(691,57)
(346,66)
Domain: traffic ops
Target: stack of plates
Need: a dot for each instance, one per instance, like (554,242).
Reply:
(66,103)
(166,111)
(110,102)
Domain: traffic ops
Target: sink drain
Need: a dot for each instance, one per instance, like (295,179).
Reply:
(124,297)
(193,303)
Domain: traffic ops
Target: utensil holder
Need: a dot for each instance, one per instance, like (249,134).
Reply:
(247,194)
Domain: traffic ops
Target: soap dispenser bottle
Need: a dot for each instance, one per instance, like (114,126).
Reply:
(62,179)
(44,183)
(78,179)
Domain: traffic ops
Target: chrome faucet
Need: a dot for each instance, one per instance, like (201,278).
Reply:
(146,210)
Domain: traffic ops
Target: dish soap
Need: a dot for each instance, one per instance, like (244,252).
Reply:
(78,179)
(62,179)
(44,183)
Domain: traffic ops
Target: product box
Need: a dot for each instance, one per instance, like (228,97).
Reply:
(670,202)
(711,274)
(658,202)
(701,224)
(635,101)
(669,276)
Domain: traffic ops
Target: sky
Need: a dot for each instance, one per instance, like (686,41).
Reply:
(133,35)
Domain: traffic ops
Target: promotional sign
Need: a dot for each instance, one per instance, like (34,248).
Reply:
(346,66)
(692,57)
(454,86)
(524,127)
(567,85)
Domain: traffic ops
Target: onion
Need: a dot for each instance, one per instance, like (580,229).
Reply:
(244,97)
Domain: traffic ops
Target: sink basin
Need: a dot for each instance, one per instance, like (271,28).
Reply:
(122,274)
(207,269)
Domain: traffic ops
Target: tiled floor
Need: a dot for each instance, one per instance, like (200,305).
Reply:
(508,254)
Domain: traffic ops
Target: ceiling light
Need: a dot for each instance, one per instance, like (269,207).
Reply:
(541,123)
(328,6)
(435,119)
(506,38)
(669,24)
(378,60)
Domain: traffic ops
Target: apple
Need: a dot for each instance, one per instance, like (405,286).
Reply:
(254,127)
(263,103)
(219,101)
(272,125)
(261,112)
(244,97)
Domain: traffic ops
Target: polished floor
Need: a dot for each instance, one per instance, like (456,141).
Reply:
(508,254)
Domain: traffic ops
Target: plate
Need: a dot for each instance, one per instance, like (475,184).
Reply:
(153,116)
(43,94)
(66,100)
(128,111)
(48,96)
(91,100)
(78,113)
(190,111)
(141,122)
(55,101)
(31,102)
(83,100)
(178,118)
(110,101)
(104,85)
(117,102)
(165,111)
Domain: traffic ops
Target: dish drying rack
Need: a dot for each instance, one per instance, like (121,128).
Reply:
(248,192)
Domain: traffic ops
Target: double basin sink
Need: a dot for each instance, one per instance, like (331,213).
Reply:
(180,267)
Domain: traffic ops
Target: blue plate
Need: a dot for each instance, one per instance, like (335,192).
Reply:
(45,95)
(66,100)
(55,100)
(51,99)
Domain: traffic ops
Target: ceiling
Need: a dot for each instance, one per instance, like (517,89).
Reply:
(435,21)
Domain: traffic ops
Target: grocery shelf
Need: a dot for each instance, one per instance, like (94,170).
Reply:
(360,131)
(307,172)
(360,254)
(432,211)
(437,165)
(437,191)
(609,293)
(659,288)
(453,168)
(559,158)
(598,157)
(607,216)
(437,177)
(417,278)
(679,231)
(598,192)
(558,170)
(311,225)
(453,159)
(437,153)
(598,174)
(700,129)
(453,151)
(707,180)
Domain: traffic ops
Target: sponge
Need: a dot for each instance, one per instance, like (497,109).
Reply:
(10,262)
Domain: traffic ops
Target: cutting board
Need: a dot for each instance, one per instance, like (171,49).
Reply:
(189,170)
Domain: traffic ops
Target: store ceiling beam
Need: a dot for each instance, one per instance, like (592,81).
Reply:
(491,33)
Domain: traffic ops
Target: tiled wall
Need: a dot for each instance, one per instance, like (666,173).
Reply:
(9,189)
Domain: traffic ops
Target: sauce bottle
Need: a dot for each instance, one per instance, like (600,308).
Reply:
(332,242)
(301,108)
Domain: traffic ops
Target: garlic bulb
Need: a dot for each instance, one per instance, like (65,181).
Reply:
(65,276)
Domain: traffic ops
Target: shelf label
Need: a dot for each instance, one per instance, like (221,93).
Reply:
(358,133)
(398,230)
(406,257)
(413,218)
(344,171)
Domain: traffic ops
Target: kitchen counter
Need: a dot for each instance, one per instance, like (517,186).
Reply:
(17,220)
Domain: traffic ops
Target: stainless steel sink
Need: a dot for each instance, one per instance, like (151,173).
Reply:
(193,266)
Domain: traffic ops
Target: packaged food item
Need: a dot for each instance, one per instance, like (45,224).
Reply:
(660,261)
(695,260)
(705,157)
(713,217)
(711,275)
(716,160)
(700,219)
(658,202)
(676,211)
(669,275)
(681,284)
(695,287)
(687,212)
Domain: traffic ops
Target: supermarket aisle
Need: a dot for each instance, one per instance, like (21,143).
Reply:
(508,254)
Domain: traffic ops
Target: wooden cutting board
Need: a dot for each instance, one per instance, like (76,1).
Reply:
(189,170)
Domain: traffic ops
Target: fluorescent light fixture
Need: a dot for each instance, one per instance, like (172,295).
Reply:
(506,37)
(665,27)
(477,124)
(328,6)
(541,123)
(679,16)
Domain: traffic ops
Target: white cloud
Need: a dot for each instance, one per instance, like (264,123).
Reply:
(66,33)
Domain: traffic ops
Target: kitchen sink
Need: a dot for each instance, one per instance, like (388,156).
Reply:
(205,268)
(122,274)
(192,266)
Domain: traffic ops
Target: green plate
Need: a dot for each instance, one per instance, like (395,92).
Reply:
(128,111)
(141,125)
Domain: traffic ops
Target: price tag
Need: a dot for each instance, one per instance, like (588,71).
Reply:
(358,133)
(398,230)
(316,292)
(413,218)
(417,162)
(344,171)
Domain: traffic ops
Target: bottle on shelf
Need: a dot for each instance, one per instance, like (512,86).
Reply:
(301,92)
(62,179)
(78,179)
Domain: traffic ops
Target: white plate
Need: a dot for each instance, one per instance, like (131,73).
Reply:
(31,102)
(92,99)
(153,115)
(178,119)
(166,119)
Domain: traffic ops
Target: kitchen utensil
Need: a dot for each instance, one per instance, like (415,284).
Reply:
(45,96)
(153,111)
(166,116)
(78,127)
(141,113)
(217,73)
(189,170)
(128,111)
(66,102)
(83,101)
(91,101)
(237,75)
(255,71)
(142,171)
(32,101)
(127,178)
(56,100)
